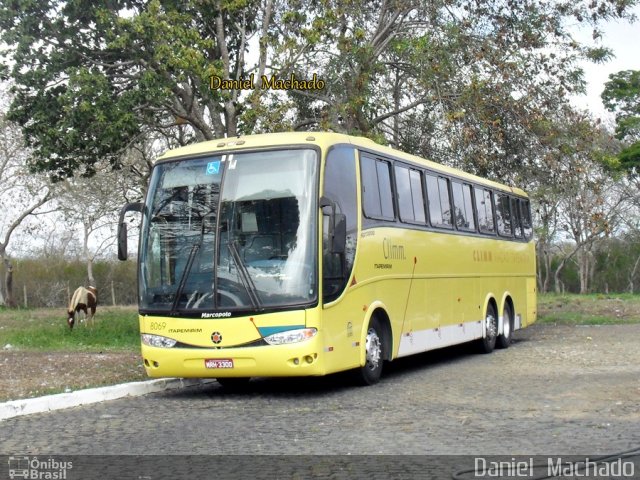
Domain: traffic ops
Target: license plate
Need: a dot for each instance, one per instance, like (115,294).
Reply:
(218,363)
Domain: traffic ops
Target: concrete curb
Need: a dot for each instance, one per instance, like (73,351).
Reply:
(16,408)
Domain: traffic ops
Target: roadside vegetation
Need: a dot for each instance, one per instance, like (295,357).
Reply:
(593,309)
(45,329)
(116,328)
(39,355)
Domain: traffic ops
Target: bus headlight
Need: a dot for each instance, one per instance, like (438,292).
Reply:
(291,336)
(157,341)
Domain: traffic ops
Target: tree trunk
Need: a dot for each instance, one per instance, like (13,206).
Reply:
(556,276)
(92,280)
(583,269)
(2,289)
(544,266)
(632,274)
(547,272)
(87,254)
(8,281)
(396,106)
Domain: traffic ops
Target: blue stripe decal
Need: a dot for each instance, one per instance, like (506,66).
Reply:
(266,331)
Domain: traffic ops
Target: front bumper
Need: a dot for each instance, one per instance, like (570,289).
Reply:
(296,359)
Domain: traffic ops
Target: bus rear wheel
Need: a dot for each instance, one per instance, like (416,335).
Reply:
(371,371)
(504,340)
(488,343)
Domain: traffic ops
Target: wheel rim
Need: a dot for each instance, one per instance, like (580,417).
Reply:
(374,349)
(506,328)
(492,326)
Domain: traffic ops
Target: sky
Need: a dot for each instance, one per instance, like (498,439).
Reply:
(623,38)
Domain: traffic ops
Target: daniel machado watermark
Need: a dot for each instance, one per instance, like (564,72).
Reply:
(38,468)
(552,467)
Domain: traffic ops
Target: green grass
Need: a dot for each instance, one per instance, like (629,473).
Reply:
(592,309)
(587,298)
(116,328)
(568,318)
(47,330)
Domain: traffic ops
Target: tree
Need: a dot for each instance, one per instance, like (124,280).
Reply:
(621,95)
(93,78)
(548,203)
(93,205)
(618,262)
(459,81)
(21,196)
(589,198)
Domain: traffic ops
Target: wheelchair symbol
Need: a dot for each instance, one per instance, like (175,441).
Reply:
(213,168)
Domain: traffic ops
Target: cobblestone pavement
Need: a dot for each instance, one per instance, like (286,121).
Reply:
(557,390)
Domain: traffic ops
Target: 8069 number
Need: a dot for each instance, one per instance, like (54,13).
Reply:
(158,325)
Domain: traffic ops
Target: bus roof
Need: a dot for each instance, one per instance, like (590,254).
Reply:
(324,140)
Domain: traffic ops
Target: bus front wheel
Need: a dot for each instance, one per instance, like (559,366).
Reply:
(371,371)
(488,343)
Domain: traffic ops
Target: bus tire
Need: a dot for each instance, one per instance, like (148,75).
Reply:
(234,384)
(488,342)
(371,371)
(504,340)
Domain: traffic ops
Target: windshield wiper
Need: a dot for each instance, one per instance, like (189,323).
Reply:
(187,268)
(185,274)
(245,278)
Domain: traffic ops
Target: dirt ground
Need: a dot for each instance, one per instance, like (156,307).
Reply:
(26,374)
(611,352)
(565,356)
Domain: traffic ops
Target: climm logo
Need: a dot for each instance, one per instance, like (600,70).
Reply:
(482,256)
(392,251)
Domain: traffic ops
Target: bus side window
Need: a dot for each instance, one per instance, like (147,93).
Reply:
(517,224)
(484,209)
(468,205)
(525,210)
(445,201)
(417,195)
(463,207)
(376,189)
(439,204)
(410,197)
(503,215)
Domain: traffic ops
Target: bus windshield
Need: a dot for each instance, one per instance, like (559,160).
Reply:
(230,232)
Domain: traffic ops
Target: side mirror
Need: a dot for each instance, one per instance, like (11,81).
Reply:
(122,241)
(122,227)
(337,225)
(324,203)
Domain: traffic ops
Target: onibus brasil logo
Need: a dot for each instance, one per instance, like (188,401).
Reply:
(38,469)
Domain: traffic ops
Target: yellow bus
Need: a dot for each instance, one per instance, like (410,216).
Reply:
(297,254)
